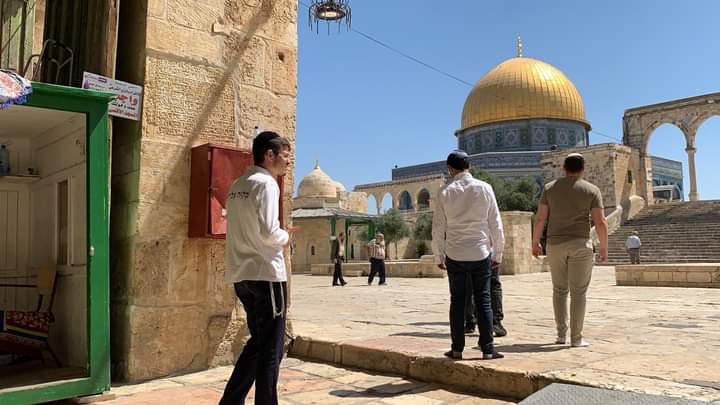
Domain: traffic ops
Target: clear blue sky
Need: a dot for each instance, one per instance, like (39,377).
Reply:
(363,109)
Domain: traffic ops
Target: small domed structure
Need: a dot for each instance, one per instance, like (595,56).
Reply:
(339,187)
(317,184)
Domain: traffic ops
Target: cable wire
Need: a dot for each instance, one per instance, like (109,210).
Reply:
(433,68)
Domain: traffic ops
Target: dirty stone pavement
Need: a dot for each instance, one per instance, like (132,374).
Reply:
(301,382)
(651,340)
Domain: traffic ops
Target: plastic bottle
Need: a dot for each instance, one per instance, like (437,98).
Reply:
(4,161)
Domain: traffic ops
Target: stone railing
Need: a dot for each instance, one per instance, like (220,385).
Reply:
(699,275)
(621,214)
(424,267)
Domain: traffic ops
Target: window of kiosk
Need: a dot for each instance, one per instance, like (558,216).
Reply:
(43,239)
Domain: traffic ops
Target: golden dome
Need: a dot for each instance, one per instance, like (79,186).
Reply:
(522,88)
(317,184)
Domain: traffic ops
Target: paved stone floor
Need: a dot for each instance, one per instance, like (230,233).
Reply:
(301,382)
(655,340)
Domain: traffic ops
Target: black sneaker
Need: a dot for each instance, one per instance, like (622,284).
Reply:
(453,355)
(499,330)
(492,356)
(469,330)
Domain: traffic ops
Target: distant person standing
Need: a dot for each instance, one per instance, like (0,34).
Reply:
(632,244)
(567,204)
(337,254)
(467,228)
(255,264)
(376,253)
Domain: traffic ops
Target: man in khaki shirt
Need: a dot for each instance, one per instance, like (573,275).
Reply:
(567,205)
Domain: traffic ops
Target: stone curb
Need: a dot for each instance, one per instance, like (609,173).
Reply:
(458,374)
(469,376)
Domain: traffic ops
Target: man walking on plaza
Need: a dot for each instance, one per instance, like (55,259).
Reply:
(466,228)
(376,253)
(337,255)
(255,264)
(632,244)
(567,205)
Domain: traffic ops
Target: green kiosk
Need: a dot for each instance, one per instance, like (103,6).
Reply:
(54,269)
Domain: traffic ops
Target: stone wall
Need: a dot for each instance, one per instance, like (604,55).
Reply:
(356,201)
(614,168)
(413,186)
(421,268)
(313,243)
(698,275)
(517,256)
(212,70)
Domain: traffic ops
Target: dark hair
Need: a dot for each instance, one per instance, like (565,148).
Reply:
(458,160)
(265,141)
(574,163)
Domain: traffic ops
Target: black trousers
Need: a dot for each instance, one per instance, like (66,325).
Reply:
(260,359)
(337,274)
(495,300)
(477,274)
(377,266)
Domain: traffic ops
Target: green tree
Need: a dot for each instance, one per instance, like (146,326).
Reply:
(394,227)
(512,195)
(422,232)
(423,227)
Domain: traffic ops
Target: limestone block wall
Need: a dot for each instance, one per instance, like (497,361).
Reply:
(354,201)
(212,70)
(697,275)
(614,168)
(517,255)
(393,268)
(312,243)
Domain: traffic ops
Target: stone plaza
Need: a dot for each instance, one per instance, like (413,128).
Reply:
(653,340)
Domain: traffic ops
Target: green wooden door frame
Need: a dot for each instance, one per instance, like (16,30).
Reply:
(95,107)
(348,222)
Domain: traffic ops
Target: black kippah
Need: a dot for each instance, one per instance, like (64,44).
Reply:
(458,160)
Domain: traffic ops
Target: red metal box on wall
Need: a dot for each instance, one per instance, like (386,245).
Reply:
(213,169)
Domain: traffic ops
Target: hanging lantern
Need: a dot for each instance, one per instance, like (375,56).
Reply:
(337,11)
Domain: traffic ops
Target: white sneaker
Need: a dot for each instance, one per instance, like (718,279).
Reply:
(580,343)
(560,340)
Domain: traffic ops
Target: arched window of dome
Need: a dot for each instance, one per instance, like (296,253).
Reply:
(423,199)
(405,201)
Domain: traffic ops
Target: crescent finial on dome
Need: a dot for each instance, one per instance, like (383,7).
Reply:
(519,46)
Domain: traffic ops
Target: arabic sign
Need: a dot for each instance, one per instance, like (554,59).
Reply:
(127,104)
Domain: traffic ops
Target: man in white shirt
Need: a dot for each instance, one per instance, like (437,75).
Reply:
(467,228)
(255,264)
(632,244)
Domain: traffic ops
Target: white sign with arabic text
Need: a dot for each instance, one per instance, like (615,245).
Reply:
(127,104)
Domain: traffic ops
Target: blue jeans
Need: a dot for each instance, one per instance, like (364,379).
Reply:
(259,361)
(475,274)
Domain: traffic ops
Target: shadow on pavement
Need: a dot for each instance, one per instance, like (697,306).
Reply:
(531,348)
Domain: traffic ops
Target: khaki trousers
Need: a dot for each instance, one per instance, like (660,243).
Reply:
(571,264)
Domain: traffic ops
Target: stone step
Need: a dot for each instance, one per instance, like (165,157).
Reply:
(481,377)
(686,232)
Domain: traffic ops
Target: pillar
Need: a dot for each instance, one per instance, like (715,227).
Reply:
(694,196)
(645,184)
